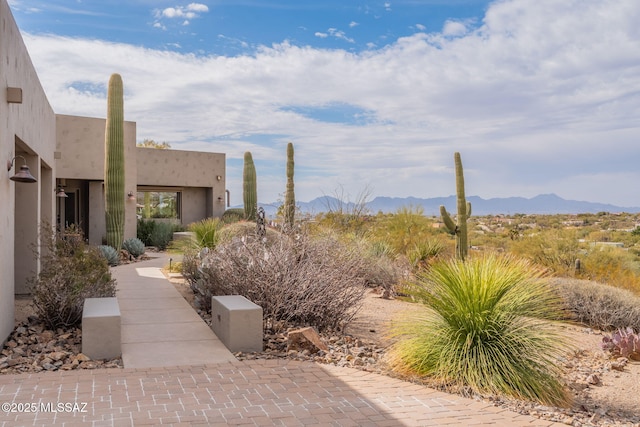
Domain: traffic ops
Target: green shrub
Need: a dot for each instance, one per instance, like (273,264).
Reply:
(599,306)
(232,215)
(206,232)
(145,229)
(485,326)
(70,272)
(134,246)
(161,235)
(110,254)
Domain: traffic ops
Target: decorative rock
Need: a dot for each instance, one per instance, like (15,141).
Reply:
(593,379)
(306,339)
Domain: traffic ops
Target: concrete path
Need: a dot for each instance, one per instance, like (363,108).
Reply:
(178,373)
(160,328)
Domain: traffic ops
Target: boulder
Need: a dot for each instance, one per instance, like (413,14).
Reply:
(305,339)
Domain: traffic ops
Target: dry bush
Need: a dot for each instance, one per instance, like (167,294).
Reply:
(297,281)
(71,271)
(599,306)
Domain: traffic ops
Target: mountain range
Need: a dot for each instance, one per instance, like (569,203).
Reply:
(548,204)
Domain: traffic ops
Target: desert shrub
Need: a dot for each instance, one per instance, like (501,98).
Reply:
(485,326)
(381,248)
(134,246)
(598,305)
(246,230)
(70,272)
(232,215)
(145,229)
(556,250)
(613,266)
(298,282)
(206,232)
(425,252)
(405,229)
(161,235)
(110,254)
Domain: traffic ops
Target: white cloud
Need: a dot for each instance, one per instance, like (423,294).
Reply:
(353,24)
(186,13)
(387,6)
(321,35)
(535,105)
(454,28)
(421,27)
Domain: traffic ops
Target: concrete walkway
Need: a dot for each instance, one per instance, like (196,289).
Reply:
(160,328)
(178,373)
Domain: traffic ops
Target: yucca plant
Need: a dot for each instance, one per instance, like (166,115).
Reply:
(206,232)
(486,326)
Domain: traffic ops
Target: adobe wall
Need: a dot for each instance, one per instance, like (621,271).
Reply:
(27,129)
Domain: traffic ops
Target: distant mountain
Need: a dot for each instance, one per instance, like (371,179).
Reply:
(542,204)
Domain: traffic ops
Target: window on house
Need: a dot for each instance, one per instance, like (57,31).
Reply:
(159,204)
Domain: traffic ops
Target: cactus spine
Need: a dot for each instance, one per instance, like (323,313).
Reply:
(249,188)
(459,229)
(289,195)
(114,163)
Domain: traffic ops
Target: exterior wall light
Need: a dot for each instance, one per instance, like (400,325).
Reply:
(131,196)
(60,192)
(24,175)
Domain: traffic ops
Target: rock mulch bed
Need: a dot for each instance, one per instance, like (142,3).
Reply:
(32,348)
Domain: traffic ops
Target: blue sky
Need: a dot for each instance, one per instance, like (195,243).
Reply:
(539,96)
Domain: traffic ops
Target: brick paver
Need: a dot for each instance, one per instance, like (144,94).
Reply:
(253,393)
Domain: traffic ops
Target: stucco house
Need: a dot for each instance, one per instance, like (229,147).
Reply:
(66,153)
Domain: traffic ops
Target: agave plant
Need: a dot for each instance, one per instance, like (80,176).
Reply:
(623,342)
(134,246)
(110,254)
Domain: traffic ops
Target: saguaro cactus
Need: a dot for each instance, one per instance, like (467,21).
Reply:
(249,188)
(289,195)
(459,228)
(114,163)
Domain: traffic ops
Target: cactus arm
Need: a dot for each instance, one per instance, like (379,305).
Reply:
(114,164)
(468,209)
(448,222)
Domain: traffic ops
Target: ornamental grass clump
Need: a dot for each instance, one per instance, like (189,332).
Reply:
(206,232)
(485,326)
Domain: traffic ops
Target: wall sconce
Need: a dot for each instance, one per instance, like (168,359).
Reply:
(131,196)
(220,199)
(24,175)
(60,192)
(219,177)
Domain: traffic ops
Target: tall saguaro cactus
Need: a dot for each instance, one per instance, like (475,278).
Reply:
(289,195)
(114,163)
(249,188)
(459,228)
